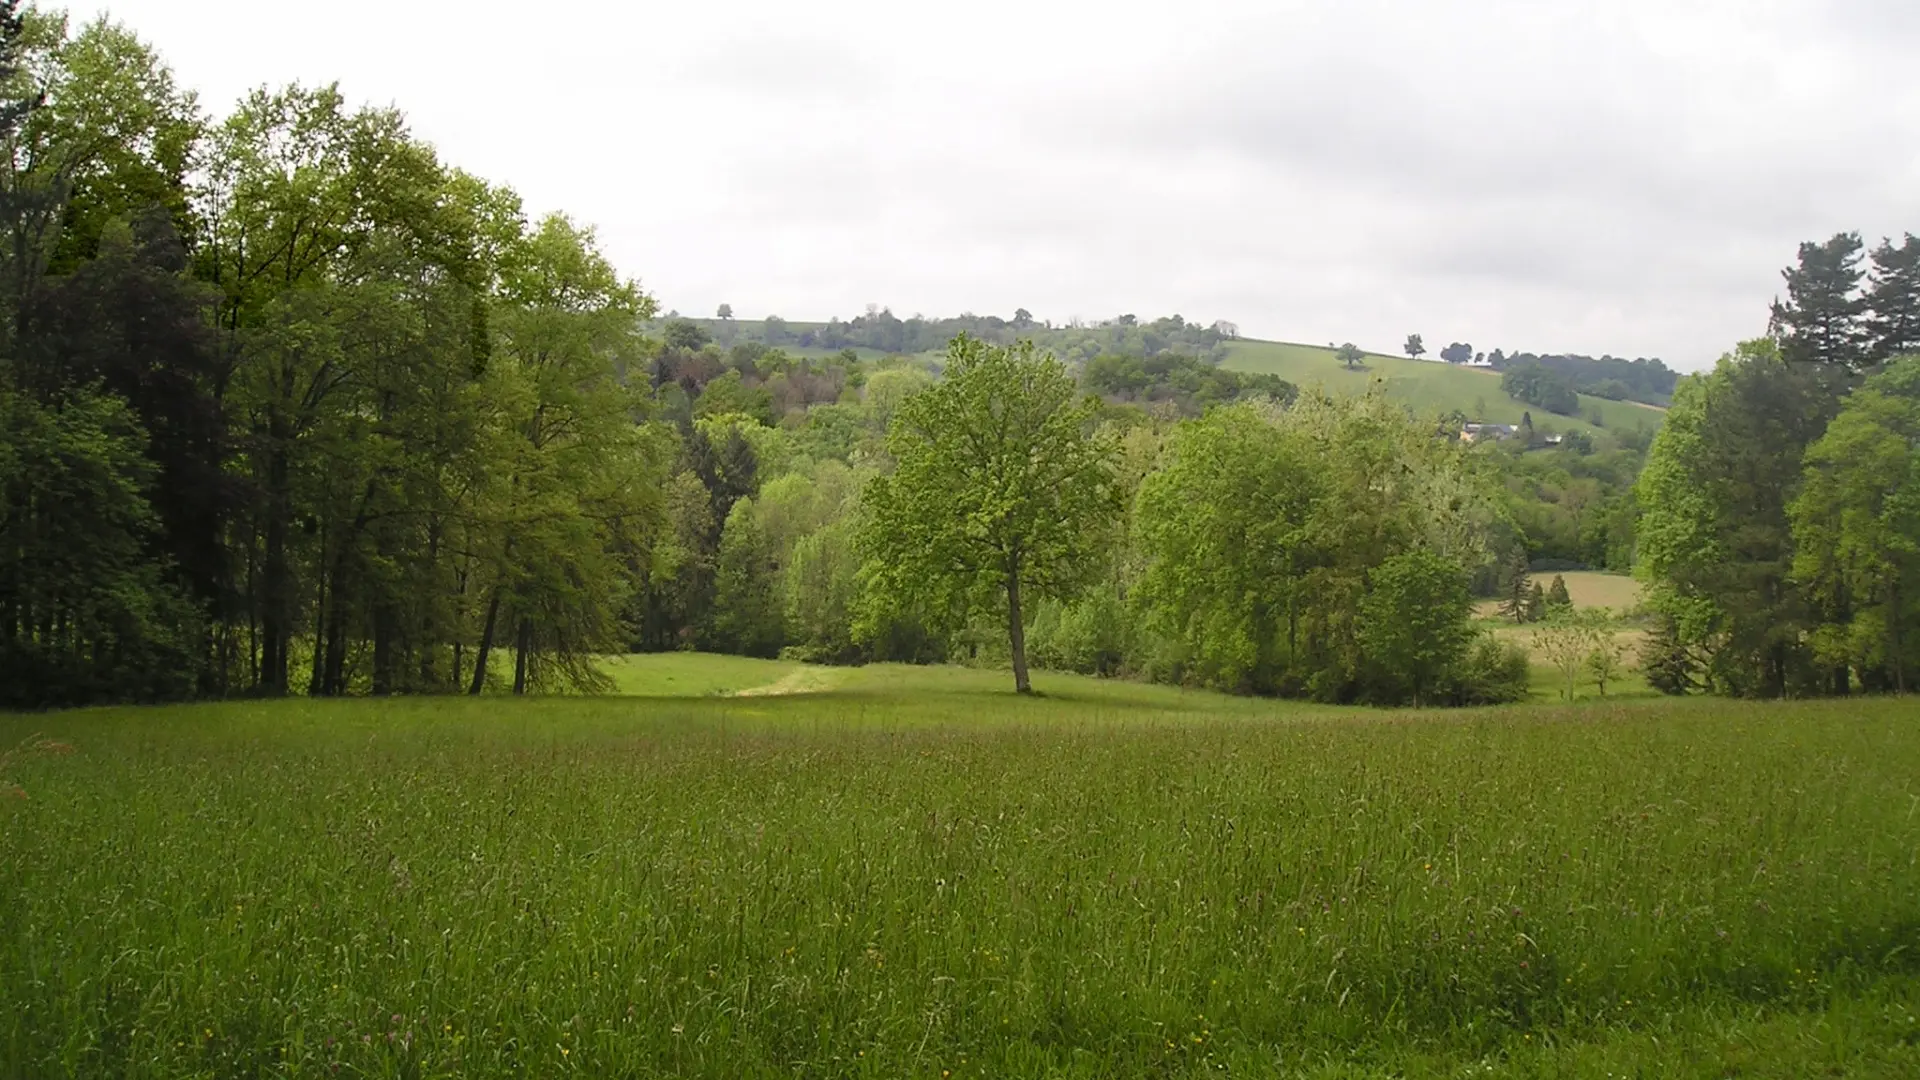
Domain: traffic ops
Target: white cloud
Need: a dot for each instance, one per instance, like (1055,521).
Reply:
(1549,174)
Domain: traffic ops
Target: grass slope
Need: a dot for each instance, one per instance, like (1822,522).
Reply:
(1427,385)
(919,875)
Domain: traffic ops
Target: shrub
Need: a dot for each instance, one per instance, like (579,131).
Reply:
(1492,673)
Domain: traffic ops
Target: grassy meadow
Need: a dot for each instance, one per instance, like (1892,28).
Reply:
(911,873)
(1428,385)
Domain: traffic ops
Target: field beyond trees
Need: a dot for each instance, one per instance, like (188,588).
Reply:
(915,876)
(1431,387)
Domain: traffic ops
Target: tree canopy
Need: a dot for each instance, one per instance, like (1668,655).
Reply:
(1000,484)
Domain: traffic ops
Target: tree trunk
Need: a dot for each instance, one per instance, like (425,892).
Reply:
(276,585)
(384,620)
(317,677)
(428,643)
(1893,632)
(1017,632)
(486,643)
(1841,681)
(522,645)
(336,680)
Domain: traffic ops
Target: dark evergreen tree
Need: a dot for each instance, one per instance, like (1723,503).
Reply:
(130,322)
(1536,603)
(1666,661)
(1893,300)
(1516,589)
(1714,533)
(1821,321)
(1558,599)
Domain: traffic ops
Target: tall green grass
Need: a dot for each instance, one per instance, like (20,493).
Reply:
(897,883)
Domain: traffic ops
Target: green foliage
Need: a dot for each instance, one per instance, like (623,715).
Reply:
(748,613)
(1669,664)
(1892,300)
(880,331)
(1415,626)
(1491,672)
(1093,634)
(1557,597)
(822,595)
(729,395)
(1260,529)
(1225,524)
(1610,378)
(1000,484)
(1350,355)
(1516,588)
(1537,385)
(1571,637)
(1191,385)
(1715,543)
(85,612)
(1429,389)
(685,334)
(1856,529)
(1821,321)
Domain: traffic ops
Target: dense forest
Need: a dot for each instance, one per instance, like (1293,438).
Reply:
(290,405)
(1617,379)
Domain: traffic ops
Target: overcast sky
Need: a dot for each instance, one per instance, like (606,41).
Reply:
(1623,176)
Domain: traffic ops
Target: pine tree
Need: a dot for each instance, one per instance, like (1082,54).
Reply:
(1557,596)
(1668,664)
(1536,604)
(1516,589)
(1893,300)
(1820,322)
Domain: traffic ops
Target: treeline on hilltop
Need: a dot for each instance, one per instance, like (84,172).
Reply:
(1615,378)
(880,330)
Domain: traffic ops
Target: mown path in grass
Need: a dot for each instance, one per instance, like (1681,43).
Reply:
(916,874)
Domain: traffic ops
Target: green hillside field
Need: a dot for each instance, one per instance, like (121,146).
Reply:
(917,874)
(1429,386)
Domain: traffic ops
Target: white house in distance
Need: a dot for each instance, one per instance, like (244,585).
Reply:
(1476,432)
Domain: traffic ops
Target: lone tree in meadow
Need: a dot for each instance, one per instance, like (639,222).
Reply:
(1350,355)
(1415,347)
(1002,489)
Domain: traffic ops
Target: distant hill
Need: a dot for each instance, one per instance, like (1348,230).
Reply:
(1430,386)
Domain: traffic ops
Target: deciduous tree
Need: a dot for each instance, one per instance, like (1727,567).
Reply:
(1001,484)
